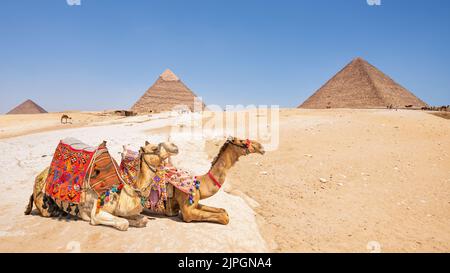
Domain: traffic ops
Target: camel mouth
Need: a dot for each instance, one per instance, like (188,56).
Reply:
(260,150)
(171,148)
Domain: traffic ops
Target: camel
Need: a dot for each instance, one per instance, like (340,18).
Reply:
(210,183)
(123,208)
(65,118)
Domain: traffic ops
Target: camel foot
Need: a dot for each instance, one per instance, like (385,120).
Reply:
(122,225)
(139,222)
(226,219)
(107,219)
(198,215)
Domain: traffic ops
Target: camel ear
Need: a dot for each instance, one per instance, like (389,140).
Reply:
(146,143)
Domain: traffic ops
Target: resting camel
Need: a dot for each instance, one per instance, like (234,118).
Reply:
(65,118)
(210,184)
(124,208)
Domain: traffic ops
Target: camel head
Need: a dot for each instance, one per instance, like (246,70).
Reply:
(155,154)
(167,149)
(247,146)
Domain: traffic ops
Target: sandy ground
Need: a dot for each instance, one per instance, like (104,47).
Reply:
(386,182)
(18,125)
(339,181)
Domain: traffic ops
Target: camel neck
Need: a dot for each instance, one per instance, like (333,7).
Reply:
(145,174)
(225,161)
(218,171)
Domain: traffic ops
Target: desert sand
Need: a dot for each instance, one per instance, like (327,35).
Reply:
(340,181)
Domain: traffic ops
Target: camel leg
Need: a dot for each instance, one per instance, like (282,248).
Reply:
(29,207)
(84,214)
(107,219)
(194,214)
(172,207)
(210,209)
(138,221)
(39,203)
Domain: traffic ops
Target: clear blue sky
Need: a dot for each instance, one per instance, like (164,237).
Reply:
(104,54)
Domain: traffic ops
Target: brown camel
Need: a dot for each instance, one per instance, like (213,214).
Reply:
(65,118)
(210,184)
(124,207)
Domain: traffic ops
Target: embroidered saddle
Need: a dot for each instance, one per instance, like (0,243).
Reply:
(165,177)
(76,166)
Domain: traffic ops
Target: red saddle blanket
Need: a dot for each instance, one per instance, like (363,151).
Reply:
(67,172)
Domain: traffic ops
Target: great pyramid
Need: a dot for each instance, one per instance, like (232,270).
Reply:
(166,93)
(27,107)
(361,85)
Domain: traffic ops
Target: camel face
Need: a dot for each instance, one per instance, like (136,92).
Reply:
(168,149)
(253,146)
(154,154)
(257,147)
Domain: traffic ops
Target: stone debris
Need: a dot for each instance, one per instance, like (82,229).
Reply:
(323,180)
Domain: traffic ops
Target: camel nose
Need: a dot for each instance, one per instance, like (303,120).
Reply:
(261,150)
(174,149)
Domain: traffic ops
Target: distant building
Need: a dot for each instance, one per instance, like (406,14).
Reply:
(361,85)
(27,107)
(166,94)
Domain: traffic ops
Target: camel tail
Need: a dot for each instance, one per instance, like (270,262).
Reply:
(29,207)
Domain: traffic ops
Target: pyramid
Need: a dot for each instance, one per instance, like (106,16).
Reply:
(361,85)
(166,93)
(27,107)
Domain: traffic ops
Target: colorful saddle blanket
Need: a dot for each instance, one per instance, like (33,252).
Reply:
(156,201)
(104,172)
(73,162)
(68,169)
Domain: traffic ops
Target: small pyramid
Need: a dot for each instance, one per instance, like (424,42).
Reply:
(165,94)
(27,107)
(361,85)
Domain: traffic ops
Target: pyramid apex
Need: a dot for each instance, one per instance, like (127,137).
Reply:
(359,59)
(168,75)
